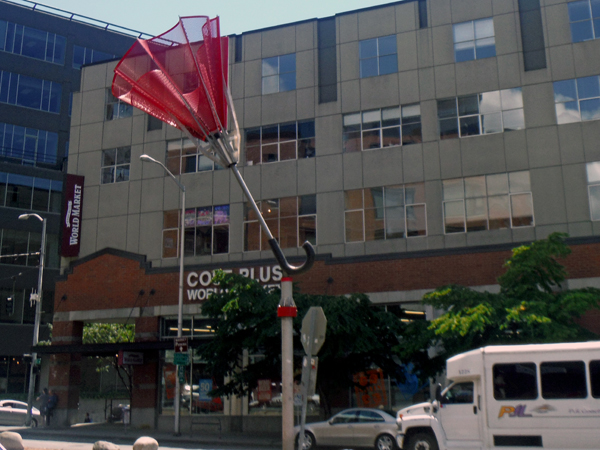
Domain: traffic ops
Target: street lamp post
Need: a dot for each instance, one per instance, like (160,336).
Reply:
(147,158)
(38,313)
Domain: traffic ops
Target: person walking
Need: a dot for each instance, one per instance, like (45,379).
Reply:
(52,402)
(43,405)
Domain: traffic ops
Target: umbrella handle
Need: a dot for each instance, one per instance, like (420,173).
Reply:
(287,268)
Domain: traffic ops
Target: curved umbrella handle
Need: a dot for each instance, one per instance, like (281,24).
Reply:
(287,268)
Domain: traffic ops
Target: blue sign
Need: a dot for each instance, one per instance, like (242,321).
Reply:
(203,389)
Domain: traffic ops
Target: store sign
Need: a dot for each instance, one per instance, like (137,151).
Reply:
(71,223)
(130,357)
(200,285)
(370,389)
(264,391)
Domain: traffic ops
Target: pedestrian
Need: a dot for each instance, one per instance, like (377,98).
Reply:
(87,419)
(51,405)
(43,405)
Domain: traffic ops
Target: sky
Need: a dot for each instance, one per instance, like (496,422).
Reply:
(236,16)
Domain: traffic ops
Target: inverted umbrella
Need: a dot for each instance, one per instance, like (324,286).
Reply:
(180,77)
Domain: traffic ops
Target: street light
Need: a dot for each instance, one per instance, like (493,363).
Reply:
(147,158)
(38,313)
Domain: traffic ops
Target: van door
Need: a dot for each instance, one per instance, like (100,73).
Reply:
(459,412)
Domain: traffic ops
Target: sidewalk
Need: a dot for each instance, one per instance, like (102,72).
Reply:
(118,433)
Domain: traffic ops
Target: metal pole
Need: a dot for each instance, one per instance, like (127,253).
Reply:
(180,301)
(38,314)
(287,311)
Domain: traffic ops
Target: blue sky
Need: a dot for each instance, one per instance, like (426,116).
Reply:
(156,16)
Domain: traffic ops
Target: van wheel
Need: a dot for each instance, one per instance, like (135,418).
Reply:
(385,442)
(422,441)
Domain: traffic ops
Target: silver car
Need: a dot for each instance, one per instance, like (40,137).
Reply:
(14,412)
(352,428)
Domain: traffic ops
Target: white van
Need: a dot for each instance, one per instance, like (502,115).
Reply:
(511,397)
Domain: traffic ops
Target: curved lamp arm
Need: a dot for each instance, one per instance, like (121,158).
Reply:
(287,268)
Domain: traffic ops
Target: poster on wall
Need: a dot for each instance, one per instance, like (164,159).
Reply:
(371,391)
(71,219)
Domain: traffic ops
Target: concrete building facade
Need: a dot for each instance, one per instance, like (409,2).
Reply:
(414,144)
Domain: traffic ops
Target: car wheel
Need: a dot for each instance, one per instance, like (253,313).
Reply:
(309,441)
(33,423)
(422,441)
(385,442)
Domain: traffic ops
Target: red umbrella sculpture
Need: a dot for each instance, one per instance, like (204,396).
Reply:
(180,77)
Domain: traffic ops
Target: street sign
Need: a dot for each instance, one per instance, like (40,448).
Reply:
(313,330)
(181,345)
(181,359)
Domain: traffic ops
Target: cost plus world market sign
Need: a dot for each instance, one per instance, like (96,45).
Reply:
(200,285)
(71,219)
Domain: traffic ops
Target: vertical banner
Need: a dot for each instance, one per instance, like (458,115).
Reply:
(71,223)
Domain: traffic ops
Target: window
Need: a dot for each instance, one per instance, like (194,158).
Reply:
(292,221)
(593,179)
(577,100)
(115,108)
(31,42)
(29,92)
(25,192)
(486,113)
(115,165)
(584,16)
(517,381)
(595,378)
(366,416)
(183,156)
(487,202)
(83,55)
(389,212)
(280,142)
(27,145)
(459,394)
(563,379)
(377,128)
(474,40)
(22,248)
(153,124)
(206,231)
(378,56)
(279,74)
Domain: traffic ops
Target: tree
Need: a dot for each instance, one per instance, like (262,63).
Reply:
(111,333)
(359,336)
(531,307)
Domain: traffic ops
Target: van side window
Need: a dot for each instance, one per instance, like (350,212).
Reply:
(595,378)
(460,393)
(515,381)
(563,379)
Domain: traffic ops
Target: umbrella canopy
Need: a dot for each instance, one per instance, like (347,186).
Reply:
(179,77)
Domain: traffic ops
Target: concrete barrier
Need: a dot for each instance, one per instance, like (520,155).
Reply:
(105,445)
(11,440)
(145,443)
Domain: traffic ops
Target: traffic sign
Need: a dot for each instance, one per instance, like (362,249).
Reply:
(181,359)
(313,330)
(181,345)
(181,374)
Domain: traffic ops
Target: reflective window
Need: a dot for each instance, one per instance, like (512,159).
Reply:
(584,17)
(389,212)
(183,156)
(459,394)
(206,231)
(378,56)
(563,379)
(115,165)
(116,108)
(31,42)
(27,145)
(84,55)
(377,128)
(487,202)
(476,114)
(474,40)
(515,381)
(29,92)
(577,100)
(280,142)
(22,248)
(595,378)
(292,221)
(593,179)
(279,74)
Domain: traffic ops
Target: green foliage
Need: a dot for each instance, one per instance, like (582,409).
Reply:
(359,336)
(530,308)
(107,333)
